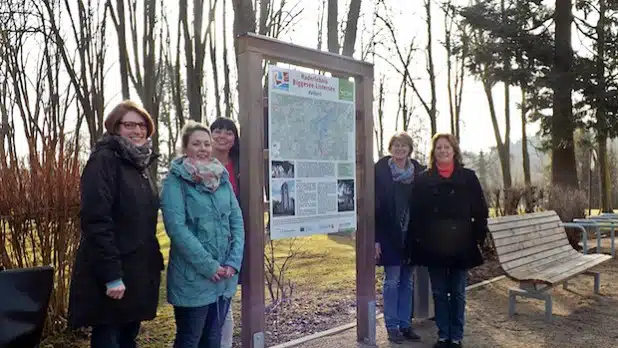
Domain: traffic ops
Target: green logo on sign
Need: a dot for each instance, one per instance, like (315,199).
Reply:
(346,90)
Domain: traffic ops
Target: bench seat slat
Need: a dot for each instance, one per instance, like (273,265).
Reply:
(594,260)
(548,262)
(540,256)
(524,253)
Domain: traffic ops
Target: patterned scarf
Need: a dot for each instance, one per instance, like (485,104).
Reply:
(405,175)
(140,155)
(206,173)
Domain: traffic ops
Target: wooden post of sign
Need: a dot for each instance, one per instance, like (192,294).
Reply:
(365,238)
(252,50)
(251,196)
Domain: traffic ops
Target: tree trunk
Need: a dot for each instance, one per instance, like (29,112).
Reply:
(213,62)
(431,69)
(332,29)
(503,151)
(525,155)
(351,28)
(379,130)
(119,20)
(227,90)
(606,187)
(564,168)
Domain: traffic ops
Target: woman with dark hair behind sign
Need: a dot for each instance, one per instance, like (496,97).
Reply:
(226,149)
(448,223)
(395,175)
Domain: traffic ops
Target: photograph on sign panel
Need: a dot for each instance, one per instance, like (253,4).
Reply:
(283,197)
(282,169)
(345,195)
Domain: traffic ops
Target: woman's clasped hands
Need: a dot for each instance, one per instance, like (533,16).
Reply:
(223,272)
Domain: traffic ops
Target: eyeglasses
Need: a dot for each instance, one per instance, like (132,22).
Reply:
(131,125)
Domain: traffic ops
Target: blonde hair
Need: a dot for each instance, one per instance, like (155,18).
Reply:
(457,158)
(403,137)
(188,129)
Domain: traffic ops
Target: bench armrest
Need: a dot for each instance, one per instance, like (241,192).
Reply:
(581,224)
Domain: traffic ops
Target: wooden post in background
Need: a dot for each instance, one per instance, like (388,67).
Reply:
(251,196)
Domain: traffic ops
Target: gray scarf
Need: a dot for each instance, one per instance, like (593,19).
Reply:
(140,155)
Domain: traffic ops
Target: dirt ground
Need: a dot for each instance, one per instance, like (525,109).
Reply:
(581,319)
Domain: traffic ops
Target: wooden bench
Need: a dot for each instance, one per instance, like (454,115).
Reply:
(533,250)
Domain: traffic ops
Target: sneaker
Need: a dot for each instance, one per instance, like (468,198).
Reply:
(409,334)
(395,336)
(456,344)
(442,344)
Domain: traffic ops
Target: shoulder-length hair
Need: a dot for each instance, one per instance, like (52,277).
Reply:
(228,124)
(457,158)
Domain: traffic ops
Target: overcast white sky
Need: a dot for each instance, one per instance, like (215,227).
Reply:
(408,17)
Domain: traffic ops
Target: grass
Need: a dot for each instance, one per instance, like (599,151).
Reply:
(326,267)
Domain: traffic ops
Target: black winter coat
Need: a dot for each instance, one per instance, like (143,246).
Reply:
(119,211)
(387,229)
(448,220)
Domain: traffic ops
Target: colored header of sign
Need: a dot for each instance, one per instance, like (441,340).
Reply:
(311,85)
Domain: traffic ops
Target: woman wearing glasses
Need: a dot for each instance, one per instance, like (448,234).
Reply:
(115,281)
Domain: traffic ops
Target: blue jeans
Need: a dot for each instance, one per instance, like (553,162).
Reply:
(114,336)
(200,327)
(398,294)
(449,295)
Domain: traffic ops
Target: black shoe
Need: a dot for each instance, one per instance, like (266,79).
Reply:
(456,345)
(395,336)
(442,344)
(409,334)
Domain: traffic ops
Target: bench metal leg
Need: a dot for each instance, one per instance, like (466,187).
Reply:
(530,291)
(597,280)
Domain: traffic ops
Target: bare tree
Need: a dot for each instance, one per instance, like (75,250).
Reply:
(195,52)
(379,130)
(350,31)
(87,73)
(227,89)
(456,46)
(144,71)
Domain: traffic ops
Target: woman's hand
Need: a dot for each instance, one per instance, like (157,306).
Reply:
(229,271)
(220,273)
(116,292)
(378,251)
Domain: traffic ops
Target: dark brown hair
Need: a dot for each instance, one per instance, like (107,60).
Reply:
(113,119)
(454,144)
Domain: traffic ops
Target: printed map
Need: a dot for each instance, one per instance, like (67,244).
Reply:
(311,129)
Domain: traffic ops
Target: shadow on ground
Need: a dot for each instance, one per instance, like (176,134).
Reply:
(581,318)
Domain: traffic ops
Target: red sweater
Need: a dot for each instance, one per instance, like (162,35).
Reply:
(446,170)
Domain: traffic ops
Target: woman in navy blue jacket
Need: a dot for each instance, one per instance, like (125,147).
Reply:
(393,187)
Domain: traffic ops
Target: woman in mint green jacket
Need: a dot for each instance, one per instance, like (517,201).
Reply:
(204,222)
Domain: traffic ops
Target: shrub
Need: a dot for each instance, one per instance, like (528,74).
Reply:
(39,217)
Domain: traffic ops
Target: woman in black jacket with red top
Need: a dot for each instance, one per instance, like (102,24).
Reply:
(448,223)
